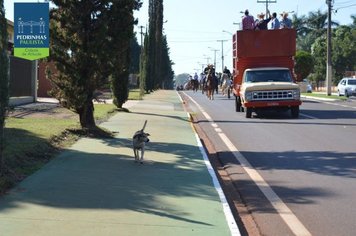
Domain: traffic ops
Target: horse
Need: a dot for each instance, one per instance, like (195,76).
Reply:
(203,84)
(194,85)
(225,84)
(210,85)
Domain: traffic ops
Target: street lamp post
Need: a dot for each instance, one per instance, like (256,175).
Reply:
(202,66)
(224,31)
(215,50)
(222,53)
(207,58)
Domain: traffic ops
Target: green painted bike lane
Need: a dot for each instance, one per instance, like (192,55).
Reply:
(96,188)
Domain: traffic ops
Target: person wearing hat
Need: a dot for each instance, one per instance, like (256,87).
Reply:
(262,22)
(285,22)
(248,23)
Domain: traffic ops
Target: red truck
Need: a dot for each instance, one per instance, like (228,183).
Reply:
(263,63)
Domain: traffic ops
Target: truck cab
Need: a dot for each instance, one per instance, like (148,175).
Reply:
(268,88)
(264,71)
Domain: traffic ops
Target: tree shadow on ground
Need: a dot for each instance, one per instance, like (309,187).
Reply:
(108,181)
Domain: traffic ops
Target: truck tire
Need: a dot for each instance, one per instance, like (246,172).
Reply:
(237,104)
(248,112)
(295,111)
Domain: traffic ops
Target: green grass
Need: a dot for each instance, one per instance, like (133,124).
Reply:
(103,111)
(134,94)
(33,141)
(22,135)
(320,95)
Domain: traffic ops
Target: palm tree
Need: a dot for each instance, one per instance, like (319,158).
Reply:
(312,27)
(353,25)
(299,24)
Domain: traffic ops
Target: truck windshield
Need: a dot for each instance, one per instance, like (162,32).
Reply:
(268,76)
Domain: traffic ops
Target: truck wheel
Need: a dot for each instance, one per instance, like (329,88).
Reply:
(295,112)
(248,112)
(237,104)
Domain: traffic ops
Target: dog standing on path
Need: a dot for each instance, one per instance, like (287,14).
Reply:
(139,141)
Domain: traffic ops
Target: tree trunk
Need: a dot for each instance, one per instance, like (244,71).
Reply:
(86,115)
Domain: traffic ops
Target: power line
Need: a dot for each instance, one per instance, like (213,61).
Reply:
(344,7)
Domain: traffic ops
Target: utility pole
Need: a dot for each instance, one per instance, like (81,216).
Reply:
(222,53)
(328,65)
(202,66)
(141,27)
(207,59)
(215,50)
(266,1)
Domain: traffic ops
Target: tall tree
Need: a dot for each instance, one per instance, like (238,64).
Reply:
(135,56)
(344,51)
(310,28)
(304,65)
(319,55)
(353,25)
(159,43)
(83,47)
(4,81)
(121,25)
(144,69)
(154,44)
(167,73)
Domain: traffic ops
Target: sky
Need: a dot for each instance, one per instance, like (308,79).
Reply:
(195,28)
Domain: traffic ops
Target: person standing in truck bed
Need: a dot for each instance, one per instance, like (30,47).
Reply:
(274,21)
(262,23)
(285,22)
(248,23)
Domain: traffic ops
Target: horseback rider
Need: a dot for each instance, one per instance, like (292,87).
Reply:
(227,71)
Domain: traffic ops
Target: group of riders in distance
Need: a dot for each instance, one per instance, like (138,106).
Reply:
(210,81)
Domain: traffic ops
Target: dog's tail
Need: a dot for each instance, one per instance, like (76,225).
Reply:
(144,126)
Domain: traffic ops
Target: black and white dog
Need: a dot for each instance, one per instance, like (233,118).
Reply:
(139,141)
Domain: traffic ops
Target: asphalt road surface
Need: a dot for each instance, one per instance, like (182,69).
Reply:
(296,176)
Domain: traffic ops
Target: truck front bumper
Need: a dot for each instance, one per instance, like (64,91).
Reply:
(266,104)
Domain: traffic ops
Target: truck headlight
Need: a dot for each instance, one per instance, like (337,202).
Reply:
(296,94)
(248,96)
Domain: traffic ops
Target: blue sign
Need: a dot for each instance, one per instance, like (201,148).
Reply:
(31,30)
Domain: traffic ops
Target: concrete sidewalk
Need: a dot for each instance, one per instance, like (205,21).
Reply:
(95,188)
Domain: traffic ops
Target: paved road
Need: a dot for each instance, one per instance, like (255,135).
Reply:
(305,168)
(95,188)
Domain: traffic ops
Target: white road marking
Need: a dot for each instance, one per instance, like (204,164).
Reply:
(214,125)
(310,117)
(234,229)
(286,214)
(218,130)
